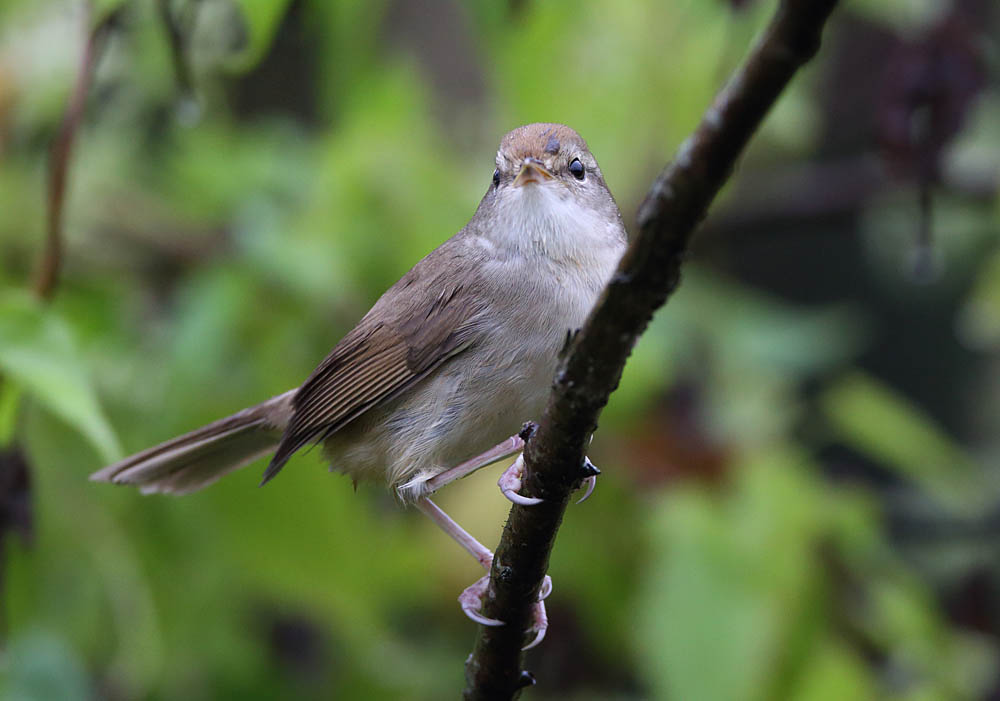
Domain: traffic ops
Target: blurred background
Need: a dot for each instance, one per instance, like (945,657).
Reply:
(801,486)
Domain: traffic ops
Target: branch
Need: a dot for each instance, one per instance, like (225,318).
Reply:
(178,48)
(47,275)
(592,364)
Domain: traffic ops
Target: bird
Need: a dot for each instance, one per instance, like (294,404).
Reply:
(448,362)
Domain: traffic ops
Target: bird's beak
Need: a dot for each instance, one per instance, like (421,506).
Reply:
(532,172)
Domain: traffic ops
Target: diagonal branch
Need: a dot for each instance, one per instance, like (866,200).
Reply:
(592,365)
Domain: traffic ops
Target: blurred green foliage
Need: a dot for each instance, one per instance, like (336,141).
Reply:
(218,243)
(38,355)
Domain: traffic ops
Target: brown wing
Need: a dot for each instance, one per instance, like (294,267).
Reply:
(378,360)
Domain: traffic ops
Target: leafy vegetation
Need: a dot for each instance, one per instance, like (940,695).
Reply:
(799,487)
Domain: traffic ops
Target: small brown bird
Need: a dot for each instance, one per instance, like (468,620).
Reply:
(450,360)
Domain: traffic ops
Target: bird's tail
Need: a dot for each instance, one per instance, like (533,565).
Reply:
(196,459)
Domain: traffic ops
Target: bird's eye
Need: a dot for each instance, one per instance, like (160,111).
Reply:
(577,169)
(496,177)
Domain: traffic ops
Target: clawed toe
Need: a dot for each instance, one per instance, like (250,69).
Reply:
(472,602)
(539,624)
(511,479)
(510,484)
(590,473)
(545,589)
(539,621)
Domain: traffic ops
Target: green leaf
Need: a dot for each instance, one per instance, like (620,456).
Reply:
(41,665)
(38,353)
(834,673)
(886,426)
(103,8)
(260,22)
(979,318)
(723,617)
(10,400)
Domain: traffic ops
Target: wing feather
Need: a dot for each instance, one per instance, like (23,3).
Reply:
(378,360)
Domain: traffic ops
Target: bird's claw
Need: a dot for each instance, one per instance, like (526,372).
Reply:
(472,603)
(510,483)
(588,469)
(539,621)
(590,473)
(539,625)
(545,589)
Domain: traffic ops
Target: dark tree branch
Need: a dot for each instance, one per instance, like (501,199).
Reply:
(47,275)
(592,366)
(178,47)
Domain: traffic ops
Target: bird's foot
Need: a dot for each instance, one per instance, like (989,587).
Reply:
(472,603)
(510,483)
(590,473)
(511,479)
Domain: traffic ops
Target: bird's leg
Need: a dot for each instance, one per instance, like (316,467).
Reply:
(483,555)
(510,480)
(472,598)
(500,451)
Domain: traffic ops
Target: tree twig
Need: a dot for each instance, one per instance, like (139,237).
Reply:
(47,275)
(592,365)
(178,47)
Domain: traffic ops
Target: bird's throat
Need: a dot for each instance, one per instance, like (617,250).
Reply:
(539,219)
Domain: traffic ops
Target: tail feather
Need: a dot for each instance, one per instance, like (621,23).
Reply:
(197,459)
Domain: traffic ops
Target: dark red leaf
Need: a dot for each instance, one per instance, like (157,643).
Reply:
(15,495)
(929,86)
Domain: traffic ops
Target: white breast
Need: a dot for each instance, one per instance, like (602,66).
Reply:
(546,264)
